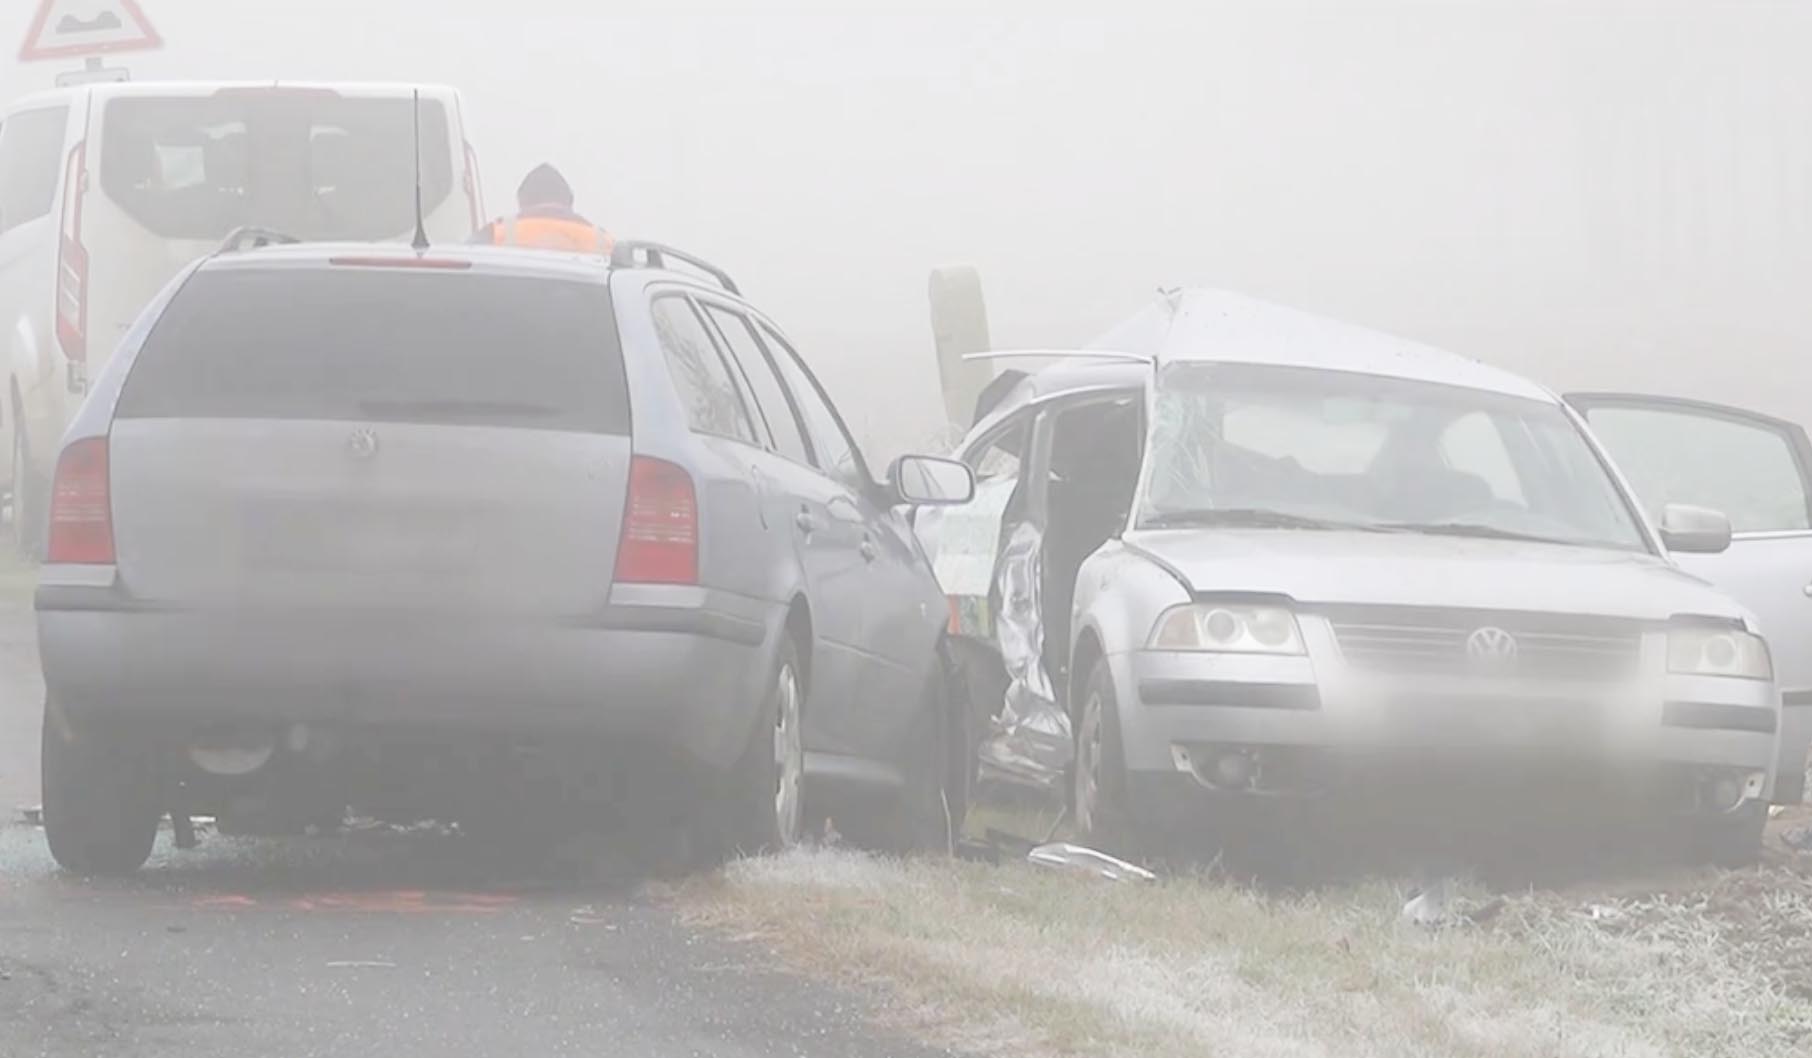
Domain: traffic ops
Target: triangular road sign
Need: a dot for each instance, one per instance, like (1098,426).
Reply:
(72,28)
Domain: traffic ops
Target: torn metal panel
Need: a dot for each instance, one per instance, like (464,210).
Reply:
(1031,741)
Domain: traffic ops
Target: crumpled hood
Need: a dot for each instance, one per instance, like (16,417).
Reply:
(1421,570)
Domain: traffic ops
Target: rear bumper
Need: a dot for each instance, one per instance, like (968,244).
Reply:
(680,669)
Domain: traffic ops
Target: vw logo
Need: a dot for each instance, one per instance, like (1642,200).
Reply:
(362,445)
(1491,646)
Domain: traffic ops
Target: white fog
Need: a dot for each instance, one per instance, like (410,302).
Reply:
(1594,192)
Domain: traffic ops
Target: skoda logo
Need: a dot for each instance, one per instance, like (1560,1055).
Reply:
(1493,647)
(362,445)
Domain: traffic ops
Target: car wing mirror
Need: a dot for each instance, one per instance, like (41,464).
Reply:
(1694,530)
(928,481)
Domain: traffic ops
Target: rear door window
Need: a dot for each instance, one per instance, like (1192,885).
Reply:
(713,404)
(31,159)
(317,165)
(770,394)
(384,345)
(836,453)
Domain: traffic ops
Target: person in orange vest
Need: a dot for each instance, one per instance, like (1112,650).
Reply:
(546,219)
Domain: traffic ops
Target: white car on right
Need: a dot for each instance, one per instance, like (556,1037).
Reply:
(1244,554)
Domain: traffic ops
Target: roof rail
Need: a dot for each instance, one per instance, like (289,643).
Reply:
(1113,355)
(655,255)
(251,238)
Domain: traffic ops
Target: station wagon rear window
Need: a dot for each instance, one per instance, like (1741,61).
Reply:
(384,345)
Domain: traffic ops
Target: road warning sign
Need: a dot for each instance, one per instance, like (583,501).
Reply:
(74,28)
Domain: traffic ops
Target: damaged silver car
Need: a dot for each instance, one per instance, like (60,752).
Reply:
(1237,554)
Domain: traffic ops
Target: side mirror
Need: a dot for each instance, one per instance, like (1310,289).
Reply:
(1694,530)
(927,481)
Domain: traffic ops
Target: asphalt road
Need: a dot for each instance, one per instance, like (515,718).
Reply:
(377,943)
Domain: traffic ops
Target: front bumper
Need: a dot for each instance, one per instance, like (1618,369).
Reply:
(680,669)
(1322,725)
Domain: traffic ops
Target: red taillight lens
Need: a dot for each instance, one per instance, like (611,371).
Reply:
(660,525)
(72,261)
(81,509)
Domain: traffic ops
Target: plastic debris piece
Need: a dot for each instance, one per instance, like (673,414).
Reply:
(588,916)
(32,815)
(1431,908)
(1075,858)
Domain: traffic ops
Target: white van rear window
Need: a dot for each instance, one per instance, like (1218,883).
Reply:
(314,164)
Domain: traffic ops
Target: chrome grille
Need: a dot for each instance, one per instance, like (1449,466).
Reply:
(1435,641)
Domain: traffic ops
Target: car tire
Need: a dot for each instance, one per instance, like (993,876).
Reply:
(926,815)
(100,804)
(1732,840)
(1099,804)
(763,808)
(27,520)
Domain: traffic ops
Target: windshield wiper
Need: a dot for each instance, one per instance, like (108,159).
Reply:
(1474,531)
(1244,518)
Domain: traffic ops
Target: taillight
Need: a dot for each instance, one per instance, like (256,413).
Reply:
(72,261)
(81,509)
(660,525)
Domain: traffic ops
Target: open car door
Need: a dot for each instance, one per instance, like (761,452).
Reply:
(1757,470)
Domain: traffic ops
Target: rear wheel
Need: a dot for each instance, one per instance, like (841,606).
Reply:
(100,804)
(764,805)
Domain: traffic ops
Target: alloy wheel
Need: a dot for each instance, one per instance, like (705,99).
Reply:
(789,759)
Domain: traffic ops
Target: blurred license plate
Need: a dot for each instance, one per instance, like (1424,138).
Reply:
(1514,718)
(385,540)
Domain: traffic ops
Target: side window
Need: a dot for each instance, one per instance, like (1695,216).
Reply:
(1472,444)
(31,149)
(999,458)
(1745,469)
(771,398)
(835,453)
(713,405)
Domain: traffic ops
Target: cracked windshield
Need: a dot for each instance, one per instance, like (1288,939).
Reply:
(1271,528)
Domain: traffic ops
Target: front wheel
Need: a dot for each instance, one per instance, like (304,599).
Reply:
(926,815)
(1099,804)
(100,804)
(1731,840)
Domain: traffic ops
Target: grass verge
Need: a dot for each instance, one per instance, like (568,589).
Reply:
(1012,960)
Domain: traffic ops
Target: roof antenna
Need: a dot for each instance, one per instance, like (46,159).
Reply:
(421,222)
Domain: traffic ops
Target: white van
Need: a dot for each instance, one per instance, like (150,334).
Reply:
(107,190)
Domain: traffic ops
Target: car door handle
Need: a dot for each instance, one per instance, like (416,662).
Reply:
(1808,590)
(806,523)
(869,551)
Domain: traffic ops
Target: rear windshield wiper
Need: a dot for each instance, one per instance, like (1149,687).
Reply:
(1243,518)
(1466,529)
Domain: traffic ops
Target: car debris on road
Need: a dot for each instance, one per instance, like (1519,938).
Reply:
(1078,859)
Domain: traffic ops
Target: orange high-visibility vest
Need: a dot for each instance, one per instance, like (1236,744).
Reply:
(552,233)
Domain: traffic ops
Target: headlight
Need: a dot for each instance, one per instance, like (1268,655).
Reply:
(1228,629)
(1718,652)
